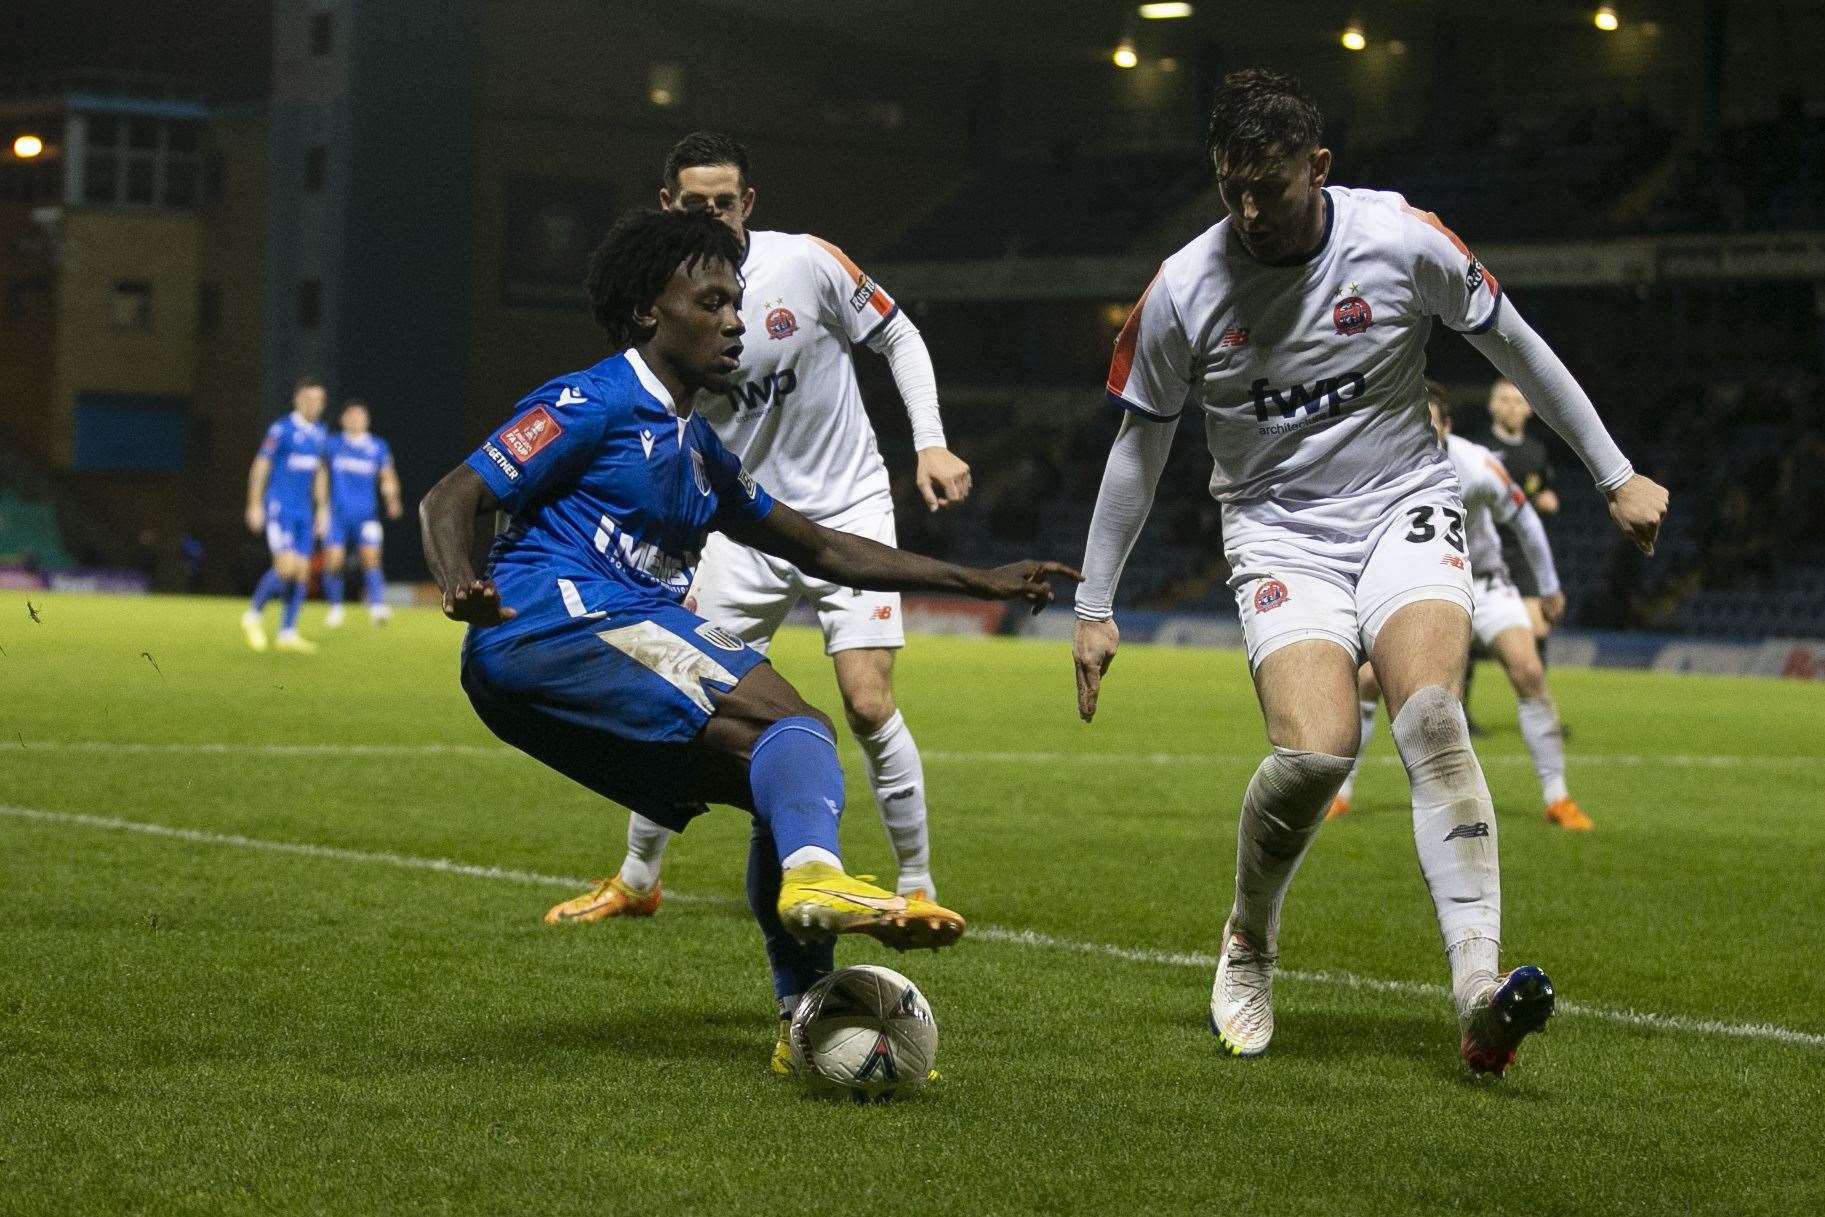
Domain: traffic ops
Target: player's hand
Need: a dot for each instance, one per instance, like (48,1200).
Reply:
(1546,502)
(1092,650)
(478,603)
(1638,506)
(1553,607)
(256,518)
(943,478)
(395,509)
(1026,581)
(321,525)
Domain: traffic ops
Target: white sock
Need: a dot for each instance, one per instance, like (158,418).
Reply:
(646,842)
(1454,831)
(1281,810)
(1546,744)
(891,760)
(1362,749)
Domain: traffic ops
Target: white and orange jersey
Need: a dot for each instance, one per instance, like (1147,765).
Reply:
(1490,498)
(794,413)
(1310,375)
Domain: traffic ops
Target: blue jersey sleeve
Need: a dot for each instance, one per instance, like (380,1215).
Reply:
(545,447)
(739,498)
(275,435)
(383,455)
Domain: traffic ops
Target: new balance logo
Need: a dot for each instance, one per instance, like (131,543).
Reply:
(1479,829)
(570,397)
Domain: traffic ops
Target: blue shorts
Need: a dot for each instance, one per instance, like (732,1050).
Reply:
(289,530)
(348,531)
(615,702)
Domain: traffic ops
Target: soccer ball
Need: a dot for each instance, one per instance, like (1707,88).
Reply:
(866,1030)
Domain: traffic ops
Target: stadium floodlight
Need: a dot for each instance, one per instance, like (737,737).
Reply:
(27,146)
(1124,54)
(1354,39)
(1164,12)
(1605,19)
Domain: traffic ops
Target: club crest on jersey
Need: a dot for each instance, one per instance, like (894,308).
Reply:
(716,636)
(781,323)
(531,432)
(1270,595)
(1352,316)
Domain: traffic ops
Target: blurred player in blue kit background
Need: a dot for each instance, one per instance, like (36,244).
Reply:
(288,503)
(358,470)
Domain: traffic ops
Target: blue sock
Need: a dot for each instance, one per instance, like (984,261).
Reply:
(798,789)
(269,586)
(796,966)
(294,600)
(376,586)
(332,587)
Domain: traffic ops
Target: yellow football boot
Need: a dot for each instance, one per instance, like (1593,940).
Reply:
(781,1064)
(609,898)
(817,900)
(1568,815)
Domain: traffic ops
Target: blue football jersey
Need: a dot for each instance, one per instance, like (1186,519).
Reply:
(611,494)
(295,449)
(355,466)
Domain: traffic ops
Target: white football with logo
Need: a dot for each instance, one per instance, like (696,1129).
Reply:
(867,1030)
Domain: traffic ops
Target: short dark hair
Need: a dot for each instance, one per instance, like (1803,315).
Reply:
(354,403)
(705,148)
(1260,115)
(306,382)
(636,259)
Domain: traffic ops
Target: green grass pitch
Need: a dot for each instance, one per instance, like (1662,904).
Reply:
(202,1021)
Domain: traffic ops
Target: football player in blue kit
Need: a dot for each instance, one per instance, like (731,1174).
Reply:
(360,478)
(580,651)
(285,502)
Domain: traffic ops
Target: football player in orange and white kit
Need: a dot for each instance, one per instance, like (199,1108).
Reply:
(1297,326)
(794,416)
(1499,621)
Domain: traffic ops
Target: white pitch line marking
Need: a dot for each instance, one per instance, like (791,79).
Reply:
(499,751)
(1680,1023)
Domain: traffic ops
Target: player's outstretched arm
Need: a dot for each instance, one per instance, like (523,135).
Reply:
(389,490)
(1637,503)
(851,561)
(1136,460)
(257,475)
(446,516)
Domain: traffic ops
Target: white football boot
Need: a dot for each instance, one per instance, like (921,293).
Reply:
(1242,997)
(333,618)
(253,630)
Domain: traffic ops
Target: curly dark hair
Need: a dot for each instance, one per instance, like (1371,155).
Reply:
(631,267)
(1260,115)
(705,148)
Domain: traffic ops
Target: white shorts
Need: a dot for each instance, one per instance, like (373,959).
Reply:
(749,593)
(1499,608)
(1290,589)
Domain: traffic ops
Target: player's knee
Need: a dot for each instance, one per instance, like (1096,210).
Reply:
(1432,720)
(868,709)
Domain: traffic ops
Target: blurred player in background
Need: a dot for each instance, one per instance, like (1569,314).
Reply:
(1528,462)
(794,416)
(580,650)
(1298,326)
(358,467)
(1498,620)
(286,501)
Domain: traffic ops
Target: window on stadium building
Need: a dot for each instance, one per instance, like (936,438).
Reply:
(28,298)
(142,161)
(130,306)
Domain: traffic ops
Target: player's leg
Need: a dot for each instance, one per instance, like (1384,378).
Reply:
(1519,655)
(1369,691)
(373,583)
(890,758)
(796,786)
(335,564)
(739,590)
(291,542)
(1300,632)
(795,965)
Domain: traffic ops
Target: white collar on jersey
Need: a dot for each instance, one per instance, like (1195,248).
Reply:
(651,383)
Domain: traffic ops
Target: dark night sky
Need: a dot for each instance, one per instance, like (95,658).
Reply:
(226,45)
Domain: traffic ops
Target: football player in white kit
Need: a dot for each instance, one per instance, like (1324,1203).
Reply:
(1297,325)
(1499,620)
(794,416)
